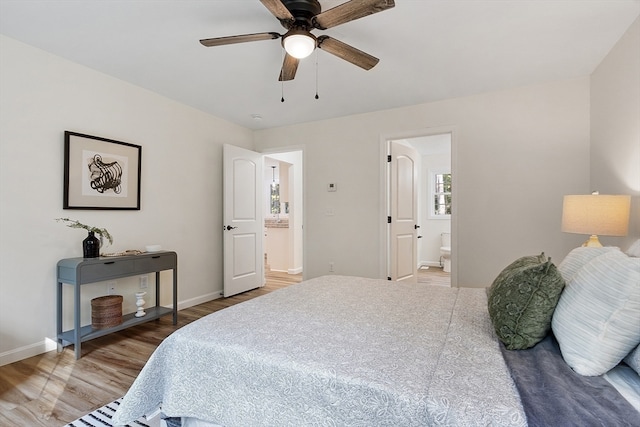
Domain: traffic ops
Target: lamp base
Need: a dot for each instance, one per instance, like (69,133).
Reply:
(593,242)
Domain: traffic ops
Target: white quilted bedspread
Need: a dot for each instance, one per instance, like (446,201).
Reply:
(335,351)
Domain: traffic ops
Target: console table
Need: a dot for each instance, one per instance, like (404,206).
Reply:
(82,271)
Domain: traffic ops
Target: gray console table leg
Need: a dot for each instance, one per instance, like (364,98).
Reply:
(59,316)
(76,322)
(175,296)
(157,288)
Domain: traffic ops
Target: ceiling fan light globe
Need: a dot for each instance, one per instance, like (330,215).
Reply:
(299,45)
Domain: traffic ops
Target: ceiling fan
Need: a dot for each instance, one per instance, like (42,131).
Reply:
(300,17)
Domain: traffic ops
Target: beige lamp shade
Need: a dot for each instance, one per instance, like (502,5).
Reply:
(606,215)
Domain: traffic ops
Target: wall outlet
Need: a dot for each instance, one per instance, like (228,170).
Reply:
(111,288)
(144,282)
(331,267)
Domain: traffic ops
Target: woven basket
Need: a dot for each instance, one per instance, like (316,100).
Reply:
(106,311)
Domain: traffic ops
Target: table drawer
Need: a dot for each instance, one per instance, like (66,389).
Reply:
(106,270)
(155,263)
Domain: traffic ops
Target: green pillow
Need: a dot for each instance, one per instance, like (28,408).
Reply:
(522,299)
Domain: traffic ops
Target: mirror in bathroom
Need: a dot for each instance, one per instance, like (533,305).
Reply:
(275,193)
(275,198)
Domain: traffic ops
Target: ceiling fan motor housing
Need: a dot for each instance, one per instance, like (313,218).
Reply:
(303,11)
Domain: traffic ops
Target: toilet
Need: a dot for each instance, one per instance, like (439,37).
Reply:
(445,252)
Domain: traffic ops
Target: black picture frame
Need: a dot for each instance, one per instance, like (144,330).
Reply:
(101,173)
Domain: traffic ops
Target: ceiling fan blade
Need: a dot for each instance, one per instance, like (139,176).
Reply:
(220,41)
(350,11)
(289,68)
(278,9)
(346,52)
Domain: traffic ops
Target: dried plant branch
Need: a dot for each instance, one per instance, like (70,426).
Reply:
(73,223)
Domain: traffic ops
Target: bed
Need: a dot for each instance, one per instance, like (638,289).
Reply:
(349,351)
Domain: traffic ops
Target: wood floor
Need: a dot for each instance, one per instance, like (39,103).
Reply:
(434,276)
(53,389)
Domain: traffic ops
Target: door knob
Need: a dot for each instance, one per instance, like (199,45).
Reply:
(228,227)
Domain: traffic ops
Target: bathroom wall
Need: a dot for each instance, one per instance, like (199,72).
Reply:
(431,228)
(283,232)
(276,228)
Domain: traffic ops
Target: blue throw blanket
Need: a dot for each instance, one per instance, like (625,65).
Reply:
(553,394)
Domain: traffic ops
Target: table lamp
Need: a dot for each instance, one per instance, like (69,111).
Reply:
(596,214)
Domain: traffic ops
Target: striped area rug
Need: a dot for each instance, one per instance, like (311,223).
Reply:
(101,417)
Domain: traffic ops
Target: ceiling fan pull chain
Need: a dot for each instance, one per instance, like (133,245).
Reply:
(281,79)
(317,97)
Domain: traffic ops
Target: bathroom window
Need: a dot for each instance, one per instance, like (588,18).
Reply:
(441,196)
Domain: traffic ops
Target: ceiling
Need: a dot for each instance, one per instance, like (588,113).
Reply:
(428,49)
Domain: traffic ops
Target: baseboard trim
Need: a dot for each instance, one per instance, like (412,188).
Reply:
(27,351)
(297,270)
(199,300)
(429,264)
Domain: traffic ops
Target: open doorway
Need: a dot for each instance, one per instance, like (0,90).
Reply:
(283,213)
(434,192)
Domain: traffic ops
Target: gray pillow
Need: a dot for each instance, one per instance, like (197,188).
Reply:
(522,299)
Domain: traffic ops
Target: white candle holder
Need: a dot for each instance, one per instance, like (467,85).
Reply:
(140,304)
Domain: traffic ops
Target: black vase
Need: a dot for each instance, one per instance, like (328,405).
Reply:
(91,246)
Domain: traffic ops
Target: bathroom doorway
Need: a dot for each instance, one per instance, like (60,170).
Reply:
(283,212)
(435,195)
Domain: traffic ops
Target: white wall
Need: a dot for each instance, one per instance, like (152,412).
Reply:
(44,95)
(516,153)
(615,128)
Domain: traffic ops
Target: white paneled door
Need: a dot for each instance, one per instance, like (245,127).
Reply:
(403,227)
(243,222)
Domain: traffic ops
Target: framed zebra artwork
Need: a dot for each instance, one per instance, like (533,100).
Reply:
(100,173)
